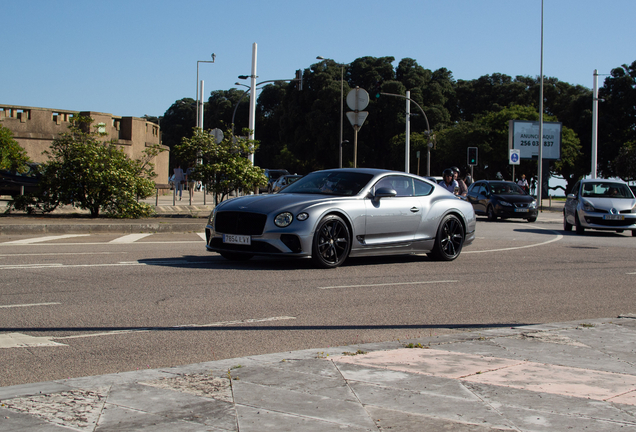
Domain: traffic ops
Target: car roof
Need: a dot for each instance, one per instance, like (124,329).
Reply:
(601,180)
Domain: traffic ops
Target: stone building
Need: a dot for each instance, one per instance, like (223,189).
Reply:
(36,128)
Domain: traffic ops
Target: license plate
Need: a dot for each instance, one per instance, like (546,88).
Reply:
(613,217)
(521,210)
(237,239)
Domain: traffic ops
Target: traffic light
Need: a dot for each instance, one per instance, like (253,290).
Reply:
(299,79)
(472,156)
(377,90)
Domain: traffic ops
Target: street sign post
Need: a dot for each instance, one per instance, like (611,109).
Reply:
(357,100)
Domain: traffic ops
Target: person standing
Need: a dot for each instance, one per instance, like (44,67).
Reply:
(190,181)
(449,182)
(179,180)
(523,183)
(463,189)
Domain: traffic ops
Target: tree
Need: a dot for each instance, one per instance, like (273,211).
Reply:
(224,166)
(93,175)
(12,156)
(624,165)
(617,116)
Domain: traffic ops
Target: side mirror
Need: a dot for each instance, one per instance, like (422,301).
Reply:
(571,196)
(384,192)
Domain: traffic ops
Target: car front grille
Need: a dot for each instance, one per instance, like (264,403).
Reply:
(241,223)
(521,205)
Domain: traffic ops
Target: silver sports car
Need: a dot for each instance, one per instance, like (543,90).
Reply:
(333,214)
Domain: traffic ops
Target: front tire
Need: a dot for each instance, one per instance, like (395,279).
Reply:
(566,225)
(449,240)
(332,242)
(579,228)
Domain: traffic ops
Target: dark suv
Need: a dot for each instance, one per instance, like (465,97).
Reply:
(272,175)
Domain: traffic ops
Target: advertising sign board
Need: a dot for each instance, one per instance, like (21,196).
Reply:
(524,136)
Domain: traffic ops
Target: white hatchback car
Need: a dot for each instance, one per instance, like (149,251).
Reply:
(600,204)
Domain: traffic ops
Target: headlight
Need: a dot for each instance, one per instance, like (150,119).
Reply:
(505,204)
(211,218)
(283,219)
(588,207)
(533,204)
(302,216)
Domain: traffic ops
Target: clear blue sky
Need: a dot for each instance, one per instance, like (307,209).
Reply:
(136,57)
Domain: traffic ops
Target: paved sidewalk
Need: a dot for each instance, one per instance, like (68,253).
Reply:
(577,375)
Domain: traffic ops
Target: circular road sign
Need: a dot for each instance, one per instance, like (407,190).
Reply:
(357,99)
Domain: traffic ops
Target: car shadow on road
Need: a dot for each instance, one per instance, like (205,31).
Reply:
(277,264)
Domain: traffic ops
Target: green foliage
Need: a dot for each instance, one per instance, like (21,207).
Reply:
(223,166)
(92,175)
(624,165)
(12,156)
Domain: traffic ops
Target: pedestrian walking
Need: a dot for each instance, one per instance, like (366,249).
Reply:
(179,180)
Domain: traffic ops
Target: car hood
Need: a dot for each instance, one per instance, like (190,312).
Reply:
(272,202)
(608,203)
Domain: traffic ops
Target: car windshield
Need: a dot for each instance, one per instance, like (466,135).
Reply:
(505,188)
(606,190)
(330,183)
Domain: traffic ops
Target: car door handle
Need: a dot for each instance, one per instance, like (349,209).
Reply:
(414,209)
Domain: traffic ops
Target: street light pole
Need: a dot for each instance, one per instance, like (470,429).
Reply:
(201,93)
(342,66)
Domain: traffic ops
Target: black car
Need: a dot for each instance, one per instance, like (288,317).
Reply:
(496,198)
(14,183)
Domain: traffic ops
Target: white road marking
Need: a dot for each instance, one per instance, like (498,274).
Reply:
(130,238)
(42,239)
(388,284)
(64,253)
(202,235)
(557,238)
(19,340)
(101,243)
(29,305)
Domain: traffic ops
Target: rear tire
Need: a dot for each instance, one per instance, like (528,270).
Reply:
(332,242)
(491,214)
(449,240)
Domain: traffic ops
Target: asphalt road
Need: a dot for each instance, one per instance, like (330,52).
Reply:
(96,304)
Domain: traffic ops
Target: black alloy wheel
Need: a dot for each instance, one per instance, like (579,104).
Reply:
(332,242)
(450,239)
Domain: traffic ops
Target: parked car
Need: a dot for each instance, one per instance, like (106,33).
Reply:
(14,183)
(496,198)
(601,205)
(284,180)
(272,175)
(333,214)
